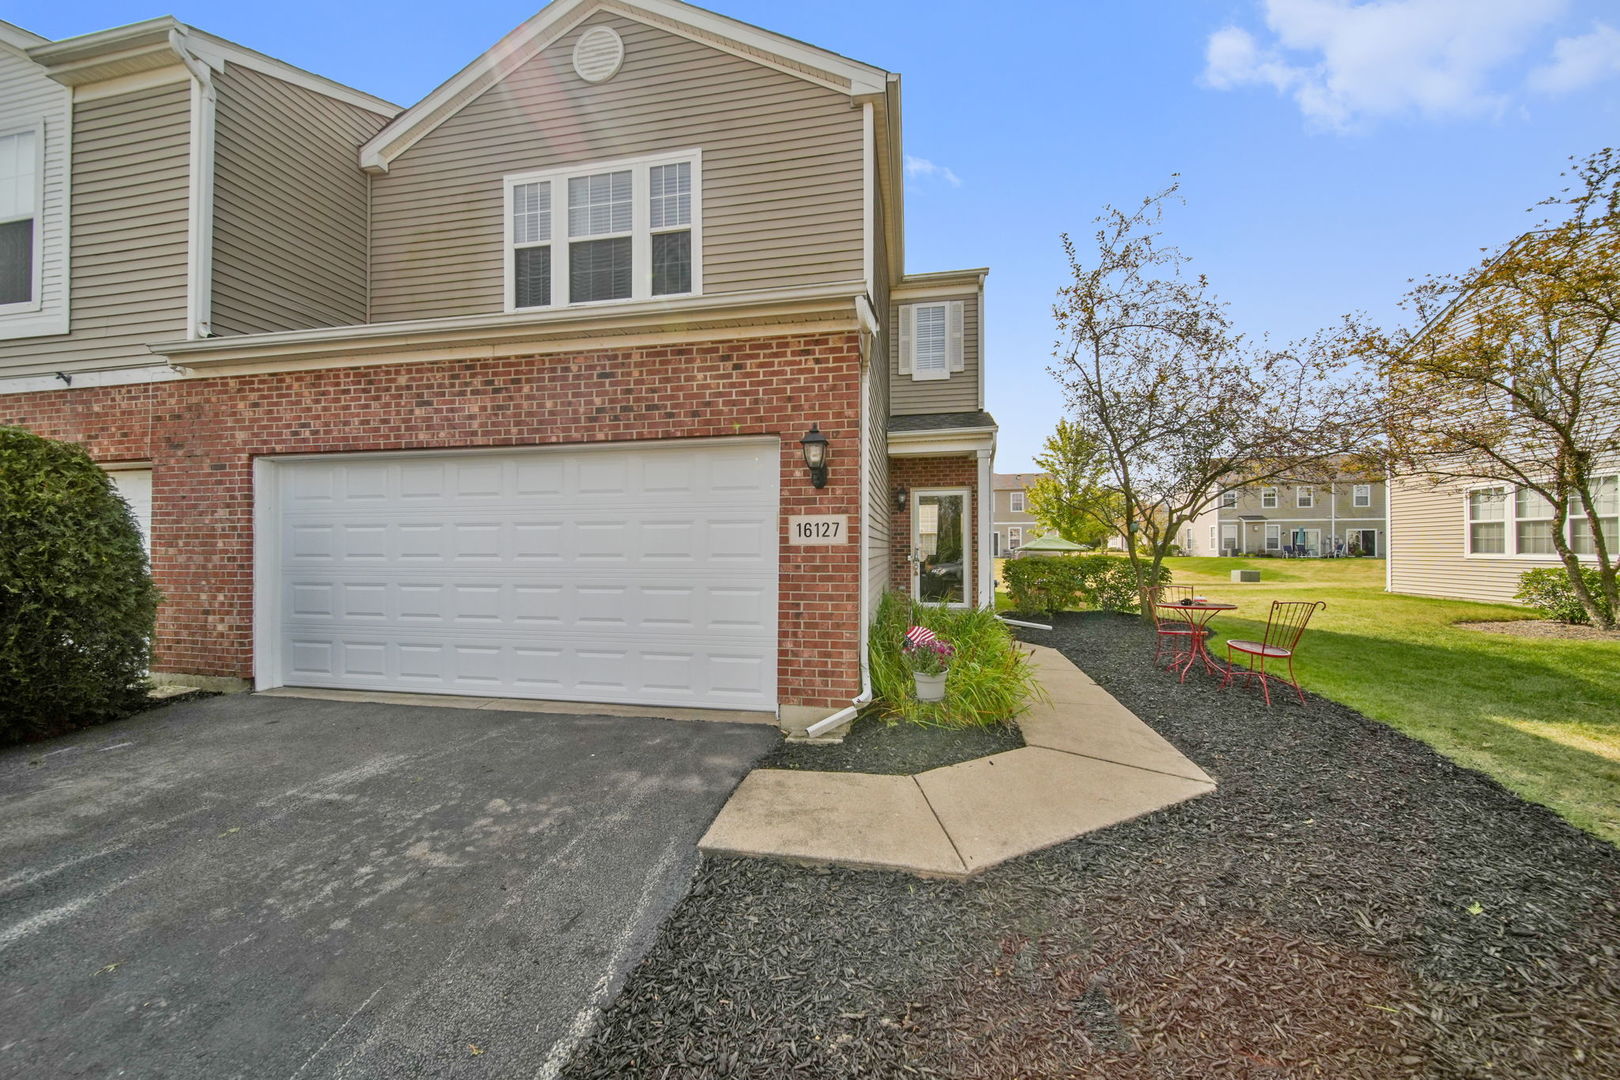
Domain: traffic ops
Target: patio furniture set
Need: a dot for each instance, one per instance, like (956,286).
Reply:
(1181,623)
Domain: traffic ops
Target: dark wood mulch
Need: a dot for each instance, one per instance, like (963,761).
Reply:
(1347,904)
(872,746)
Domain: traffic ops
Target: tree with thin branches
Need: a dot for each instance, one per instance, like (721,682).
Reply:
(1510,376)
(1181,405)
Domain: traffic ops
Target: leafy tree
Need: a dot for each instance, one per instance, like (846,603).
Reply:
(1071,499)
(1510,375)
(76,602)
(1178,403)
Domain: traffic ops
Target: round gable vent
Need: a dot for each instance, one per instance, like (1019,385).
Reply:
(598,54)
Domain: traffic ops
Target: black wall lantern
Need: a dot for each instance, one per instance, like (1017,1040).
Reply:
(900,497)
(815,455)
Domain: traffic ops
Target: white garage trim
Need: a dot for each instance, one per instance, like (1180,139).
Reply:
(495,549)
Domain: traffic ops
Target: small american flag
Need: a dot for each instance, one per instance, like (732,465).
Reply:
(918,636)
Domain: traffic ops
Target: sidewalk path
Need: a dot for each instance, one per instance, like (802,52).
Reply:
(1088,763)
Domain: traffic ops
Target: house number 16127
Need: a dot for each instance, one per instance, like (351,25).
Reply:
(818,529)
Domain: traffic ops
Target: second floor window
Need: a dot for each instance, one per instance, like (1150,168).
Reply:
(1268,498)
(1361,495)
(1228,498)
(1304,497)
(1018,502)
(624,231)
(19,215)
(931,339)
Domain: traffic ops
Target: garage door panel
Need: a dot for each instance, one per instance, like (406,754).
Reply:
(641,575)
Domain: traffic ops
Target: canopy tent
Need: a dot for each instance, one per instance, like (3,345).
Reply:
(1051,542)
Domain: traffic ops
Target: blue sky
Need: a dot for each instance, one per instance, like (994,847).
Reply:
(1329,149)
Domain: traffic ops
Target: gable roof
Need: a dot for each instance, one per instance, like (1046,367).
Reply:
(795,58)
(159,42)
(1013,481)
(18,38)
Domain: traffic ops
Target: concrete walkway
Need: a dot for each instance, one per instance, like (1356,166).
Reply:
(1088,763)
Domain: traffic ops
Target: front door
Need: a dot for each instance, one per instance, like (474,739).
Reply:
(939,546)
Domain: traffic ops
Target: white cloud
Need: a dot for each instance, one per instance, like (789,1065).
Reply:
(919,167)
(1346,63)
(1578,62)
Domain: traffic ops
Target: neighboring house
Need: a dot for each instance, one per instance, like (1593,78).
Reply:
(1288,517)
(1473,541)
(1011,520)
(502,394)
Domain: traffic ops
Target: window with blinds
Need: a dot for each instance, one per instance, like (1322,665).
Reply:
(931,339)
(630,231)
(19,215)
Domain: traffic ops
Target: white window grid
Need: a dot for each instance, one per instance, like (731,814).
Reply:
(1514,522)
(634,197)
(22,197)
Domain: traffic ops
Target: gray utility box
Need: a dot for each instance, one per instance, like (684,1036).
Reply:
(1245,575)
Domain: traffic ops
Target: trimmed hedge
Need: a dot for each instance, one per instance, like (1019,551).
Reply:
(1103,582)
(1548,590)
(77,604)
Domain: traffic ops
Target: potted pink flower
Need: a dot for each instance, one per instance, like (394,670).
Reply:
(929,660)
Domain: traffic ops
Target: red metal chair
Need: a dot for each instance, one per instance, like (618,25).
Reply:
(1167,630)
(1284,627)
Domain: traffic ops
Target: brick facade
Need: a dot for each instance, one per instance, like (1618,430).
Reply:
(201,436)
(914,473)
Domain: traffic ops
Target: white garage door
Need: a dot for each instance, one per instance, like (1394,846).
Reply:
(636,574)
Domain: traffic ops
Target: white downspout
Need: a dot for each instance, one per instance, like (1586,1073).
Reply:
(200,192)
(861,700)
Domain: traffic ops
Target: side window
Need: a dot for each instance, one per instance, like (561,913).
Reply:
(1228,499)
(19,219)
(1487,521)
(1268,498)
(1361,495)
(1304,497)
(1018,502)
(931,339)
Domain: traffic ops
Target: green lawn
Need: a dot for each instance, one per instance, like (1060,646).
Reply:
(1542,716)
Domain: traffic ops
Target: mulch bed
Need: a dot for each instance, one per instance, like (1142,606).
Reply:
(1541,628)
(872,746)
(1347,904)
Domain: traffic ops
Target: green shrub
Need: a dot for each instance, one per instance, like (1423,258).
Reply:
(1102,582)
(1039,584)
(77,603)
(989,680)
(1548,590)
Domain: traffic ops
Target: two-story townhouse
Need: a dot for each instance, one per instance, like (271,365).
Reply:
(1311,518)
(1010,521)
(595,375)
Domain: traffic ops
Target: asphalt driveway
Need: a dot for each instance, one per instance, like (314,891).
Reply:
(272,887)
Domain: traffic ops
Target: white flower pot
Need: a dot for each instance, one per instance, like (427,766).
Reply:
(930,687)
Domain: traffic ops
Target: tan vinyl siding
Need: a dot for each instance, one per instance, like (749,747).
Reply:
(289,206)
(782,168)
(960,392)
(1428,543)
(129,215)
(29,98)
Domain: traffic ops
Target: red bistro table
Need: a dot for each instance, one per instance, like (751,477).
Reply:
(1197,616)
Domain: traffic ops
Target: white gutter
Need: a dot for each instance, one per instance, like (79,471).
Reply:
(844,716)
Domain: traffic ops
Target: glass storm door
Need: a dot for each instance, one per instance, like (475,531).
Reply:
(939,547)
